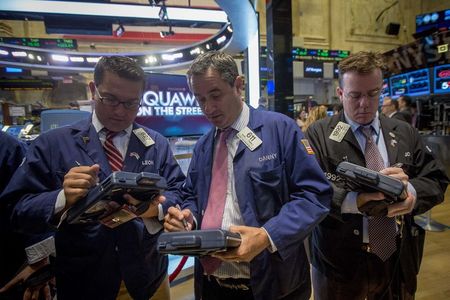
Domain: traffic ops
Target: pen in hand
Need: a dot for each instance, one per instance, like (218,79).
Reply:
(185,223)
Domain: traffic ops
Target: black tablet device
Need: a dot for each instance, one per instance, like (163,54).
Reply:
(105,202)
(372,180)
(197,242)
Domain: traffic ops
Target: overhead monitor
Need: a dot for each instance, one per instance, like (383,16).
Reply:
(312,69)
(442,79)
(170,108)
(415,83)
(385,91)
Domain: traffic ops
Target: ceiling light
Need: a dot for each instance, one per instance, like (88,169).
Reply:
(92,59)
(76,59)
(3,52)
(19,53)
(62,58)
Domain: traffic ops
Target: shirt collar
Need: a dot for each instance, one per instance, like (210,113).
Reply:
(99,126)
(354,125)
(242,120)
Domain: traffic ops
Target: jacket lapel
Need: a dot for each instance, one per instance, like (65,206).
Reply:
(390,136)
(135,153)
(254,123)
(87,139)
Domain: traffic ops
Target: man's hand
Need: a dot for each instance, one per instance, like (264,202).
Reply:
(402,207)
(363,198)
(78,181)
(396,173)
(152,210)
(173,221)
(31,293)
(253,241)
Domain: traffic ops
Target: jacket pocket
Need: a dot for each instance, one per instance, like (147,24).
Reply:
(269,191)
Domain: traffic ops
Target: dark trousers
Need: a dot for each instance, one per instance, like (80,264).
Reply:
(226,290)
(372,281)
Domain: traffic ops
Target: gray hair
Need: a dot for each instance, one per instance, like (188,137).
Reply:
(221,62)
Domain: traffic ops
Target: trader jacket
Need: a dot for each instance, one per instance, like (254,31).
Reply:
(92,260)
(337,242)
(280,187)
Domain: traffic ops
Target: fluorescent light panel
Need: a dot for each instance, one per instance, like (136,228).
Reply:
(254,89)
(112,10)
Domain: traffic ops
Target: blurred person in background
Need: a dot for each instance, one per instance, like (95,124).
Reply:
(315,113)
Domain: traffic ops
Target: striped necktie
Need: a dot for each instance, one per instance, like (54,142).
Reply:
(382,230)
(112,153)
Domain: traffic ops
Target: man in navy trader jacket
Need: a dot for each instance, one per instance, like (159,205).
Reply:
(276,191)
(92,260)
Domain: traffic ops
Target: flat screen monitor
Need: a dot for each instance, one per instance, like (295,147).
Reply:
(55,118)
(170,108)
(415,83)
(312,69)
(442,79)
(385,91)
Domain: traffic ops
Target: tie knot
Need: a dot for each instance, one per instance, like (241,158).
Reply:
(110,134)
(367,131)
(225,133)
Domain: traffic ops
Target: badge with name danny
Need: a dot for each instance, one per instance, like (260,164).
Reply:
(249,138)
(143,137)
(339,132)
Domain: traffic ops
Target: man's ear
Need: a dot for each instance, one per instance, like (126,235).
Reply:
(340,93)
(92,89)
(239,83)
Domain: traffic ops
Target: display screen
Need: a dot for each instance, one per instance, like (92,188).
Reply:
(170,108)
(385,92)
(319,54)
(433,20)
(414,83)
(42,43)
(55,118)
(313,69)
(442,79)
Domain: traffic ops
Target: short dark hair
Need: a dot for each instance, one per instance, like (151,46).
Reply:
(363,62)
(223,63)
(395,103)
(407,99)
(123,66)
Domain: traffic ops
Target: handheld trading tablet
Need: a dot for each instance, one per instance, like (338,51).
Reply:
(392,187)
(105,202)
(197,242)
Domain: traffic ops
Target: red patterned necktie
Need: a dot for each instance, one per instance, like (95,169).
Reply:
(114,157)
(217,195)
(382,230)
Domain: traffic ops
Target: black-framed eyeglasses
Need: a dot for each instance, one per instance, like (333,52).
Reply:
(111,101)
(356,96)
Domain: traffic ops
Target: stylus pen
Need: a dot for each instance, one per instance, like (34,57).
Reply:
(185,223)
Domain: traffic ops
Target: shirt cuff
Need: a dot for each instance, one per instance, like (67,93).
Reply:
(40,250)
(272,248)
(152,224)
(349,205)
(412,190)
(60,202)
(160,212)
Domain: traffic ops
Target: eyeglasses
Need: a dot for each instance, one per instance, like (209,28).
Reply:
(111,101)
(356,96)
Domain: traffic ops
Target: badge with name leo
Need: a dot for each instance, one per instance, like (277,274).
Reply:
(249,138)
(339,132)
(143,137)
